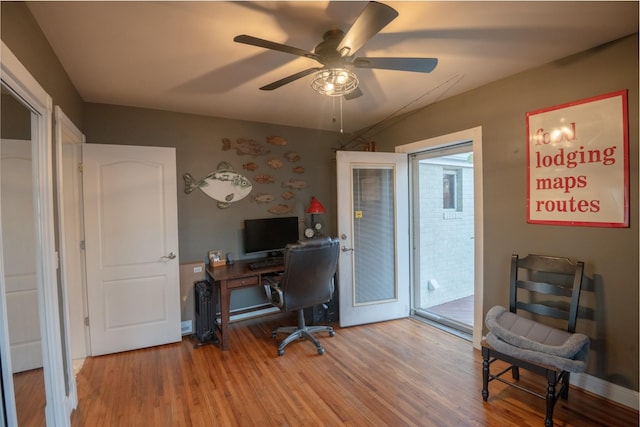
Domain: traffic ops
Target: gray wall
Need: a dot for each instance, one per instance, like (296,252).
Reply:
(21,34)
(611,255)
(199,149)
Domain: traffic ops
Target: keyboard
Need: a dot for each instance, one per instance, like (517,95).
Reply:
(269,262)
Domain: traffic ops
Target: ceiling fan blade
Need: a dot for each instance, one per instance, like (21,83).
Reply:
(419,65)
(356,93)
(289,79)
(373,18)
(254,41)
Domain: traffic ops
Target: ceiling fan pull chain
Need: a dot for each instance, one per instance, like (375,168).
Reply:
(341,130)
(333,104)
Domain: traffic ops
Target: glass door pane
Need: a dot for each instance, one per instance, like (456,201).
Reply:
(374,235)
(443,221)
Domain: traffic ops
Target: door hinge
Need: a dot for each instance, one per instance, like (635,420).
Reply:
(80,167)
(86,321)
(82,245)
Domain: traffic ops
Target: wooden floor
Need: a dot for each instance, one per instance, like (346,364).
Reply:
(30,401)
(397,373)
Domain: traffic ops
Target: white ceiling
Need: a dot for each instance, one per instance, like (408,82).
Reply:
(180,56)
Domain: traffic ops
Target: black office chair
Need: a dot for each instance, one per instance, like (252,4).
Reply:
(544,294)
(309,269)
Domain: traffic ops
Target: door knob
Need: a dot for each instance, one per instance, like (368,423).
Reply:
(345,249)
(171,255)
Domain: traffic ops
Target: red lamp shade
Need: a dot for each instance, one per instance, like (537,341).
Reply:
(315,207)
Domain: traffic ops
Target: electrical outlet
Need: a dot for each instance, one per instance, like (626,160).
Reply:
(186,326)
(197,269)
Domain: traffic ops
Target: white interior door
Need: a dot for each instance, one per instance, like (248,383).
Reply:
(19,240)
(131,234)
(373,225)
(69,142)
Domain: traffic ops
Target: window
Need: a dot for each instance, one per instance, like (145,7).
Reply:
(451,193)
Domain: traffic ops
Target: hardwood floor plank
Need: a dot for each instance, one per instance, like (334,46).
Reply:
(397,373)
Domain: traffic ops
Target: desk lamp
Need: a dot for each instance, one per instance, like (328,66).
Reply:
(315,207)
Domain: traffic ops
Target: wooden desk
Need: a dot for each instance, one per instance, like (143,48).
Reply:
(227,278)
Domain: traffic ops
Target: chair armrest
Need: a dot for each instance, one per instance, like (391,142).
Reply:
(272,290)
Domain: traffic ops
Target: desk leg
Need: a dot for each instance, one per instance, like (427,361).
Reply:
(225,303)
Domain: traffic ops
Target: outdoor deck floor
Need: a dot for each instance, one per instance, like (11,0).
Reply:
(460,310)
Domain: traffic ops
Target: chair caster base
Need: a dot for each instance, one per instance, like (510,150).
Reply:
(299,333)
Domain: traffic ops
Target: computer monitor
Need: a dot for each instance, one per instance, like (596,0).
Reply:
(270,234)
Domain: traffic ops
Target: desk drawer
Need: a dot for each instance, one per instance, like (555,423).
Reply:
(244,281)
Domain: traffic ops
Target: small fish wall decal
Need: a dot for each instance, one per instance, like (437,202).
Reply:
(292,156)
(263,198)
(280,209)
(294,184)
(288,195)
(224,185)
(274,163)
(276,140)
(250,166)
(245,146)
(264,179)
(298,169)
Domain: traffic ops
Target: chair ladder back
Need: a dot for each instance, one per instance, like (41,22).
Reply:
(575,296)
(513,284)
(545,310)
(537,265)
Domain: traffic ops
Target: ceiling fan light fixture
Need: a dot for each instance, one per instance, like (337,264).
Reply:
(334,81)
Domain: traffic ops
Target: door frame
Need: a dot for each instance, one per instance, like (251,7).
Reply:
(475,136)
(28,91)
(71,232)
(66,133)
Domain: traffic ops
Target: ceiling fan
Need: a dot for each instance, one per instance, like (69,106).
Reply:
(337,51)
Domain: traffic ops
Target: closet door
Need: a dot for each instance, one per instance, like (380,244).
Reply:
(19,243)
(131,240)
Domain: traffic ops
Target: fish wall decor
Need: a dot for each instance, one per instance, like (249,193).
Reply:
(264,179)
(263,198)
(288,195)
(294,184)
(250,166)
(292,156)
(245,146)
(298,169)
(276,140)
(280,209)
(224,185)
(274,163)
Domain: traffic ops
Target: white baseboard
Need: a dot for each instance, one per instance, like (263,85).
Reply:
(605,389)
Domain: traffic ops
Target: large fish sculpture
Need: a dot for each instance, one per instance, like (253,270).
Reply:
(225,185)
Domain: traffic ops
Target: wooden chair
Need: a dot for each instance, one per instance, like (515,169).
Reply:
(537,333)
(309,269)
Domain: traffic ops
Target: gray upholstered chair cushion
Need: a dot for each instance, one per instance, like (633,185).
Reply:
(529,340)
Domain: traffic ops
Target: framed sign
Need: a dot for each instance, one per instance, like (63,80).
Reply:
(578,163)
